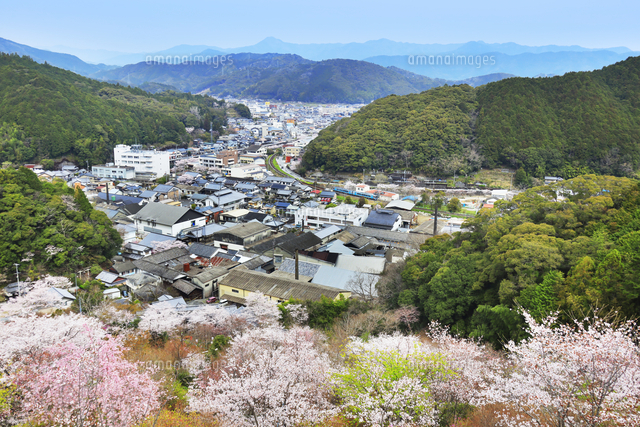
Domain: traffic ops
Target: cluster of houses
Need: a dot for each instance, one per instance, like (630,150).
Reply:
(214,236)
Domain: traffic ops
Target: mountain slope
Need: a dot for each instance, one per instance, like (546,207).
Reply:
(565,125)
(283,77)
(47,112)
(60,60)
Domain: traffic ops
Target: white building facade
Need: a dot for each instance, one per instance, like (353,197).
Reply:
(113,171)
(344,215)
(143,161)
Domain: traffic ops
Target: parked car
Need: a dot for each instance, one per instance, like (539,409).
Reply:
(211,300)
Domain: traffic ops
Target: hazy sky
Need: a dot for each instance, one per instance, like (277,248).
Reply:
(144,25)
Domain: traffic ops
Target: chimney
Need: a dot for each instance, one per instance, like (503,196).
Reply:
(297,272)
(186,267)
(108,202)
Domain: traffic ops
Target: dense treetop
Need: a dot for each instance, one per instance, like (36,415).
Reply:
(428,132)
(565,126)
(49,227)
(571,246)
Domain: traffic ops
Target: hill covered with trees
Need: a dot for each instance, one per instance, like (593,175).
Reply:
(569,247)
(47,112)
(566,126)
(280,77)
(49,228)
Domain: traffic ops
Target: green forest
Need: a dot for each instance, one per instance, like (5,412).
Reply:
(569,247)
(49,227)
(47,112)
(587,122)
(426,132)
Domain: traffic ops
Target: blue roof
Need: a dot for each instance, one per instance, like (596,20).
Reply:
(147,194)
(282,205)
(382,217)
(412,198)
(163,188)
(327,194)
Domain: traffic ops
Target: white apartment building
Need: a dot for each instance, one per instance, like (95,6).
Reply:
(112,171)
(340,215)
(253,170)
(143,161)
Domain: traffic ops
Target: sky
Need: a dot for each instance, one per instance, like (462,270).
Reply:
(147,26)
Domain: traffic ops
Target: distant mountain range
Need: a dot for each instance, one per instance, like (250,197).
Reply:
(322,51)
(466,64)
(283,77)
(330,72)
(60,60)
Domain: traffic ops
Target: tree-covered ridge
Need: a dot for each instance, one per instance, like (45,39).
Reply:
(47,112)
(568,247)
(279,76)
(429,132)
(548,125)
(564,126)
(49,227)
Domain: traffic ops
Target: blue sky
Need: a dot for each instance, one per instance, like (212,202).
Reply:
(144,25)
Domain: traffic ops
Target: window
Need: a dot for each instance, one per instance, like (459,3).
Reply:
(235,291)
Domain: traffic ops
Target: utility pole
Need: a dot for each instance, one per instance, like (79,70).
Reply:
(18,279)
(435,221)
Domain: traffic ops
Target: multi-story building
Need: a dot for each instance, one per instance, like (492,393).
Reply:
(222,159)
(252,171)
(346,215)
(143,161)
(113,171)
(292,151)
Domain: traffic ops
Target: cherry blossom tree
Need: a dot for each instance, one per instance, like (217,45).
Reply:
(28,334)
(387,381)
(163,317)
(36,295)
(471,365)
(408,315)
(74,385)
(585,374)
(271,376)
(185,179)
(165,245)
(298,313)
(263,309)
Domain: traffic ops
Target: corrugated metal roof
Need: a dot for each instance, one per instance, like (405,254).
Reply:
(364,264)
(341,278)
(304,268)
(275,287)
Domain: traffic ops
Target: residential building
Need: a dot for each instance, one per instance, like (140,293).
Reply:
(143,161)
(303,242)
(240,236)
(226,199)
(384,219)
(219,160)
(166,219)
(292,151)
(239,284)
(340,215)
(112,171)
(250,171)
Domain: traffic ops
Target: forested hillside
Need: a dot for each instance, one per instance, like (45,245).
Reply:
(570,247)
(49,228)
(47,112)
(566,126)
(429,132)
(278,76)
